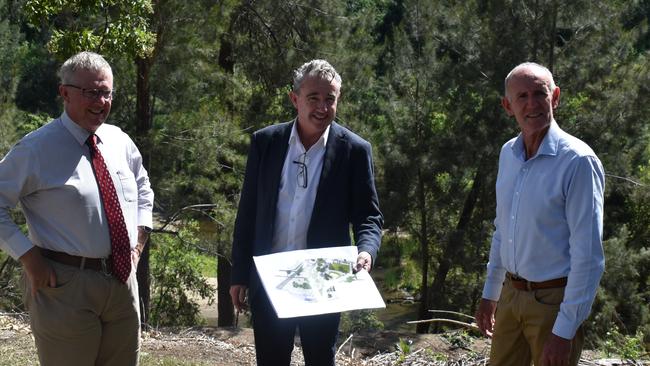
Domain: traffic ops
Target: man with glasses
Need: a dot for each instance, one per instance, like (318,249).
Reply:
(306,182)
(88,205)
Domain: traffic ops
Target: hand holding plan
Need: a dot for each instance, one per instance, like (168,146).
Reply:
(364,261)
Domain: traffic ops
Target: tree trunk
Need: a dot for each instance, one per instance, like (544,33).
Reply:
(225,309)
(456,242)
(553,35)
(144,284)
(143,125)
(423,311)
(536,27)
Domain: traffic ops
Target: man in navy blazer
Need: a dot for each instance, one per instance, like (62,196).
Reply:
(306,182)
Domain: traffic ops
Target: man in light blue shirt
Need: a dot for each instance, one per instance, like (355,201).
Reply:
(546,258)
(82,312)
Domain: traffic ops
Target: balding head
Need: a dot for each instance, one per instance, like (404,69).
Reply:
(528,68)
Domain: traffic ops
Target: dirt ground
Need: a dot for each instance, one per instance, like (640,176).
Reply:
(359,348)
(209,345)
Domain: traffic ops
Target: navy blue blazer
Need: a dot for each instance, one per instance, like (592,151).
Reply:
(346,196)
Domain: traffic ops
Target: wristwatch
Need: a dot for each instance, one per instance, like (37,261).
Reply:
(146,229)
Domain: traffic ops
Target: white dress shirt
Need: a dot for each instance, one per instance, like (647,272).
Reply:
(50,173)
(549,222)
(295,202)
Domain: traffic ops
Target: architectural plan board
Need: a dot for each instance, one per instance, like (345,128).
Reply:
(316,281)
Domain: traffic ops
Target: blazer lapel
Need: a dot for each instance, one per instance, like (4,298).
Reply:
(335,145)
(277,151)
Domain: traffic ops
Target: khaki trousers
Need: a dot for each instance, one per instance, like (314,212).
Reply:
(524,319)
(88,319)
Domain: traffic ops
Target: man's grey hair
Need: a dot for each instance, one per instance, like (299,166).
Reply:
(527,65)
(85,60)
(319,68)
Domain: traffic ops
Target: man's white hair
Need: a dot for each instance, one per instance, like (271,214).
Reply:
(85,60)
(319,68)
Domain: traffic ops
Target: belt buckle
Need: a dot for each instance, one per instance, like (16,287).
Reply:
(104,264)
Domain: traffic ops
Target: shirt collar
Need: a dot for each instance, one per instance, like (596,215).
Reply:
(549,145)
(294,137)
(78,132)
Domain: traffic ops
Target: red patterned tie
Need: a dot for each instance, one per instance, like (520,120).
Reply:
(120,244)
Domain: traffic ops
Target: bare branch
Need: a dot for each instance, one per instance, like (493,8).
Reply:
(452,312)
(626,179)
(442,320)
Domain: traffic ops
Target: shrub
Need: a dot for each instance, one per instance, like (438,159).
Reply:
(176,277)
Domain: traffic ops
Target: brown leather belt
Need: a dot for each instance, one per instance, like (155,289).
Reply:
(97,264)
(525,285)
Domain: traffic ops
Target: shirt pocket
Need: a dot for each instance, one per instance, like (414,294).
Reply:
(128,185)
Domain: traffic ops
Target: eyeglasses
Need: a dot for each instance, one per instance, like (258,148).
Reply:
(302,170)
(94,94)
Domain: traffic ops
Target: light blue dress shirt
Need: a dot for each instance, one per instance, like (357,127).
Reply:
(50,173)
(549,222)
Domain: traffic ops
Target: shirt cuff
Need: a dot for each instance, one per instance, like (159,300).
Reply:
(564,328)
(492,290)
(18,244)
(145,218)
(494,283)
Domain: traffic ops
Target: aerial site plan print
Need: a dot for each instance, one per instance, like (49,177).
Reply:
(316,281)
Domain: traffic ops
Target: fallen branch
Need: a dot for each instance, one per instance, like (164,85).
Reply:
(343,344)
(442,320)
(452,312)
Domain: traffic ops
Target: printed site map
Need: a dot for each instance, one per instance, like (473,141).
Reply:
(316,281)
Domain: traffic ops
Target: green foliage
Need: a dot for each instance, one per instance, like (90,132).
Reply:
(400,259)
(109,27)
(404,349)
(625,346)
(8,134)
(458,339)
(37,90)
(176,278)
(622,300)
(208,266)
(359,320)
(440,356)
(31,122)
(12,51)
(10,288)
